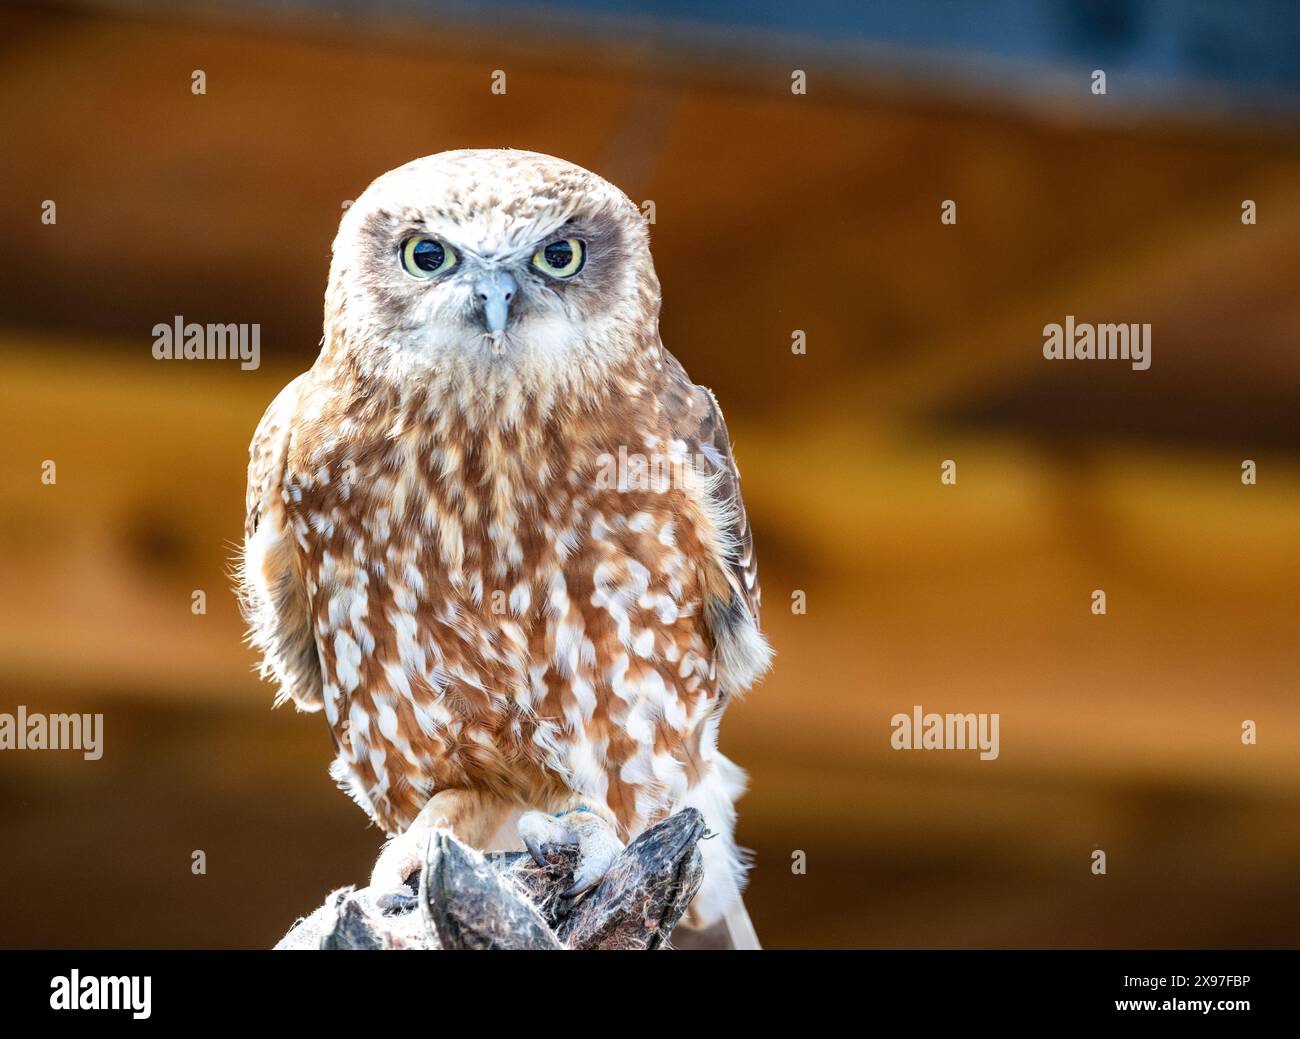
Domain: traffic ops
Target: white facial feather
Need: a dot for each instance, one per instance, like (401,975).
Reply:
(562,336)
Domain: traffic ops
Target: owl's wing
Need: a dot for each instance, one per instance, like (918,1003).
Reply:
(696,419)
(272,592)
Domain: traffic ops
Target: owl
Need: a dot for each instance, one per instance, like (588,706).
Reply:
(495,533)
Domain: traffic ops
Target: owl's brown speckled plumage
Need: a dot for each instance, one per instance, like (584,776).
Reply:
(445,549)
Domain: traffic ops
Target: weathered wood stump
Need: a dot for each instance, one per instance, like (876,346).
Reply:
(505,900)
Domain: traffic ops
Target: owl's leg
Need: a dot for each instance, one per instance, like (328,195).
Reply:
(473,816)
(591,831)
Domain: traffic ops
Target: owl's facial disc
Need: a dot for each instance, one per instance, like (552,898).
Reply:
(498,265)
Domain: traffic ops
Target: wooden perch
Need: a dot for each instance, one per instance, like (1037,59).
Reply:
(504,900)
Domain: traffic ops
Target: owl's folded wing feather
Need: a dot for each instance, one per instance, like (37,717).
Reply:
(272,592)
(743,653)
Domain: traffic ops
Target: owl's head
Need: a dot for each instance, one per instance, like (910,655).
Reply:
(492,266)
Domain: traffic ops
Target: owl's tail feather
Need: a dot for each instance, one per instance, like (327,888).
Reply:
(740,929)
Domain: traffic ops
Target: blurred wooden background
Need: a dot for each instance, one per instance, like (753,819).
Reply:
(774,213)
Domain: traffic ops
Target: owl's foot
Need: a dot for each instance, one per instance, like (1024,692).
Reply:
(598,845)
(397,870)
(473,816)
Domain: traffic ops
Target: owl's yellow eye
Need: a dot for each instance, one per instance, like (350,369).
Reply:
(423,257)
(562,259)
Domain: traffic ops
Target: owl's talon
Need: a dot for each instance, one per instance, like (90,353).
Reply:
(397,869)
(541,833)
(576,889)
(534,849)
(598,845)
(397,901)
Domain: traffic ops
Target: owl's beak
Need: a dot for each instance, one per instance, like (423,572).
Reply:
(494,292)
